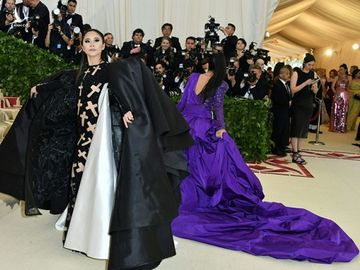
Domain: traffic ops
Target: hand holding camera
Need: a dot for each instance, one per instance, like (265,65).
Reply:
(9,18)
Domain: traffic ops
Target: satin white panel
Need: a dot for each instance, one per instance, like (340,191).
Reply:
(89,227)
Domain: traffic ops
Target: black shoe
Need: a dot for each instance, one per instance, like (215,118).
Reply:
(356,144)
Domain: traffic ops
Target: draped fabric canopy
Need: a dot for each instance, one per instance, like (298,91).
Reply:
(188,17)
(299,26)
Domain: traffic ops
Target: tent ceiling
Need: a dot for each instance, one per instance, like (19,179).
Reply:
(297,26)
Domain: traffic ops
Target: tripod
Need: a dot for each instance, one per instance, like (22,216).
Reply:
(317,142)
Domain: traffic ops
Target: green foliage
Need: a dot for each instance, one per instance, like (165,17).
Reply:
(249,123)
(23,65)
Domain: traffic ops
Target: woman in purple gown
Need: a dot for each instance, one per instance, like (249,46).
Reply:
(222,199)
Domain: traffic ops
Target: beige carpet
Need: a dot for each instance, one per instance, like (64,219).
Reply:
(34,244)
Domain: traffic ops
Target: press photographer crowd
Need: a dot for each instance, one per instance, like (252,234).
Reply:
(295,93)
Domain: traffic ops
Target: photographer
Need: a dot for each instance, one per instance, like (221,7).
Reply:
(30,14)
(261,61)
(73,19)
(112,51)
(34,38)
(190,51)
(166,30)
(58,38)
(161,75)
(182,75)
(165,53)
(241,56)
(229,42)
(252,86)
(7,15)
(234,76)
(136,47)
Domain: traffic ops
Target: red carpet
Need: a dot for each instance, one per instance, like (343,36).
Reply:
(331,154)
(284,166)
(280,166)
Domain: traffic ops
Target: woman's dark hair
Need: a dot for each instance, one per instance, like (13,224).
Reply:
(344,66)
(333,71)
(84,62)
(356,71)
(243,41)
(278,66)
(308,58)
(217,64)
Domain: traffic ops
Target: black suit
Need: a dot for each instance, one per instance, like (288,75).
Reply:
(258,92)
(229,45)
(145,49)
(76,20)
(174,43)
(280,97)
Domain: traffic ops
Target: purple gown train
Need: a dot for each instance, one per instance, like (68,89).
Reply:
(222,199)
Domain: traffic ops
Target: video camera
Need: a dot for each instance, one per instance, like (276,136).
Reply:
(211,29)
(256,53)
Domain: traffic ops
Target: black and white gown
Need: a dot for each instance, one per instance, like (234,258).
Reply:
(93,172)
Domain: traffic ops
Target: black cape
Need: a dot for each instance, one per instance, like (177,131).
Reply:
(149,156)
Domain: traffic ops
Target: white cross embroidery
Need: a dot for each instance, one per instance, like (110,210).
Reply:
(83,117)
(86,72)
(92,107)
(79,105)
(72,170)
(94,89)
(81,87)
(82,138)
(91,127)
(80,167)
(82,154)
(95,70)
(87,142)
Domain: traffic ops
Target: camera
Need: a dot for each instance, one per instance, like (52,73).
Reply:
(250,77)
(230,69)
(210,31)
(34,22)
(184,70)
(254,52)
(62,5)
(76,37)
(56,16)
(159,77)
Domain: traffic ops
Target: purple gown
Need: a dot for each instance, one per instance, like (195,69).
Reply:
(222,199)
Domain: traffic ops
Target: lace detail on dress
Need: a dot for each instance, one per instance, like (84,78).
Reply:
(216,105)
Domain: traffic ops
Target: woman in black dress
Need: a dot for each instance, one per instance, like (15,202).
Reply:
(118,159)
(303,86)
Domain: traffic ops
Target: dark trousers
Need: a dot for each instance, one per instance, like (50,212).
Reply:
(280,131)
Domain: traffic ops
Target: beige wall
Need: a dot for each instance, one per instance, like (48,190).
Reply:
(343,53)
